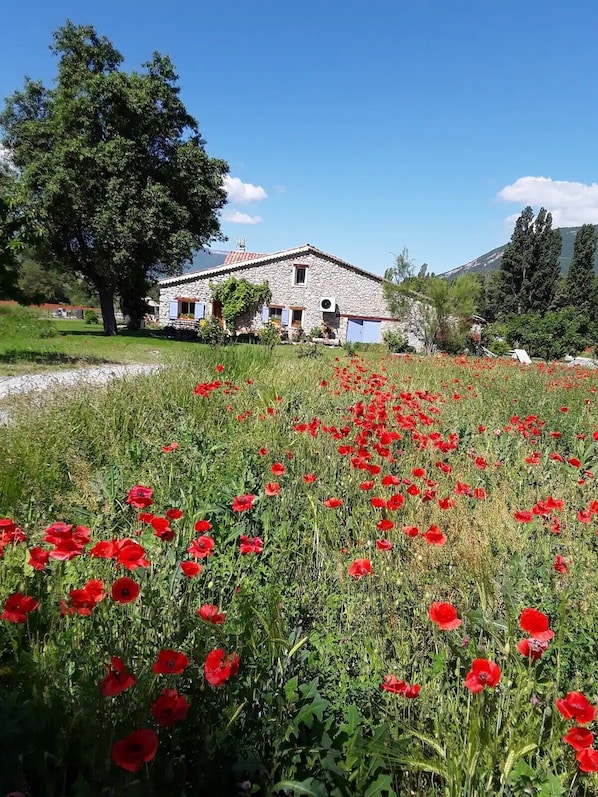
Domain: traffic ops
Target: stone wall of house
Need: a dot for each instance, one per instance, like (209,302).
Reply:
(355,294)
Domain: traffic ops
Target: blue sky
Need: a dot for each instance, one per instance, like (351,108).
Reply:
(363,127)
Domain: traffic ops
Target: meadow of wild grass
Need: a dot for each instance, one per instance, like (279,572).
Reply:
(31,343)
(349,576)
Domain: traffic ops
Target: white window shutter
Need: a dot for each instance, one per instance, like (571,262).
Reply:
(265,313)
(200,310)
(285,317)
(174,309)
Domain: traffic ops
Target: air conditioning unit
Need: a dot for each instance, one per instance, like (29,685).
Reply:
(328,304)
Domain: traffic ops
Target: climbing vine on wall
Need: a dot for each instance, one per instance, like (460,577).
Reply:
(239,297)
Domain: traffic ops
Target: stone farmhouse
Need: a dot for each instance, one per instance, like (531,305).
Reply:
(309,288)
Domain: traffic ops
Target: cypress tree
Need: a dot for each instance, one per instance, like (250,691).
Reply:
(579,284)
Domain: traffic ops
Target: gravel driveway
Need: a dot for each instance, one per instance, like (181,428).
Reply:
(100,375)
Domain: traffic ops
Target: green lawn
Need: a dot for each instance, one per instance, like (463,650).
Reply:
(75,344)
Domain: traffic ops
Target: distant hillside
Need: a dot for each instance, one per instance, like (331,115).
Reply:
(205,258)
(491,260)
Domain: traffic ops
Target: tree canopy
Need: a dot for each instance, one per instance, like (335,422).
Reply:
(437,308)
(580,288)
(113,168)
(529,270)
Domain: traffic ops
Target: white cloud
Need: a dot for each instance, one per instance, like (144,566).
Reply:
(571,204)
(236,217)
(243,193)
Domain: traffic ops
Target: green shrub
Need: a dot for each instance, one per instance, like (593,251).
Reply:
(396,342)
(551,336)
(499,347)
(210,330)
(269,335)
(315,332)
(91,317)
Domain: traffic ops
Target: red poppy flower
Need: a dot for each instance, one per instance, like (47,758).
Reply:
(125,590)
(396,687)
(523,516)
(169,708)
(444,615)
(174,513)
(560,565)
(309,478)
(162,529)
(83,601)
(250,544)
(393,685)
(579,738)
(576,706)
(103,550)
(480,494)
(17,607)
(131,555)
(243,502)
(483,673)
(395,502)
(378,503)
(385,525)
(140,497)
(191,569)
(360,568)
(95,587)
(384,545)
(170,447)
(389,480)
(219,667)
(536,624)
(272,489)
(411,531)
(419,473)
(135,749)
(38,558)
(588,760)
(413,490)
(367,486)
(574,462)
(203,525)
(333,503)
(170,662)
(435,536)
(532,648)
(446,503)
(117,679)
(201,547)
(209,613)
(277,469)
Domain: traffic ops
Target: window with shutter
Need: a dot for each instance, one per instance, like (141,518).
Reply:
(173,309)
(265,314)
(284,317)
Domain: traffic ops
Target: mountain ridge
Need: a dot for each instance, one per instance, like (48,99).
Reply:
(490,261)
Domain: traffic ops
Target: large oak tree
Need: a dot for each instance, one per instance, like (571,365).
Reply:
(114,169)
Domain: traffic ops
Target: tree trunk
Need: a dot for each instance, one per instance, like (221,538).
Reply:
(107,308)
(133,308)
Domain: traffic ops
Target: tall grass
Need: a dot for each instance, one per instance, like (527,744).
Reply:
(313,641)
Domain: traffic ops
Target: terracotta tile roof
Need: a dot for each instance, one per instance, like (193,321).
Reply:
(240,257)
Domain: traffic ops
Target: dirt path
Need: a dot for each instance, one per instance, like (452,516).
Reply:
(100,375)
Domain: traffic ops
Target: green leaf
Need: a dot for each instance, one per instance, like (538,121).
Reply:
(552,787)
(309,787)
(381,787)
